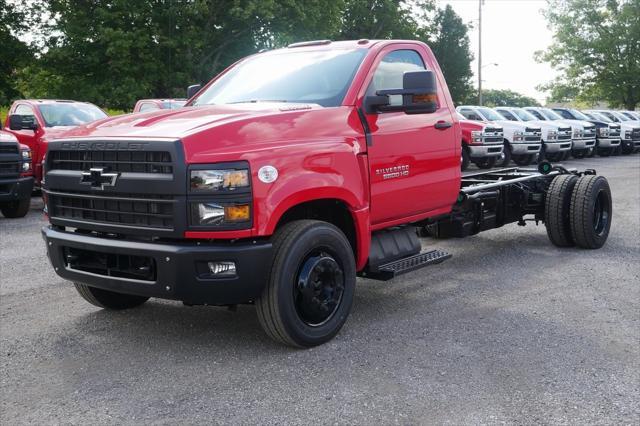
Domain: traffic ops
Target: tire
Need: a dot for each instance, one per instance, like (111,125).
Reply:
(604,152)
(557,204)
(505,159)
(591,212)
(16,208)
(524,160)
(542,155)
(627,149)
(288,309)
(579,153)
(486,163)
(465,158)
(591,152)
(109,299)
(566,155)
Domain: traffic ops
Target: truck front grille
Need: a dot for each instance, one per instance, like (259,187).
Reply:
(8,149)
(116,161)
(492,135)
(133,210)
(614,131)
(635,135)
(9,168)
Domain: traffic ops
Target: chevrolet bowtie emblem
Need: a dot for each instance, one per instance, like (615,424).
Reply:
(98,178)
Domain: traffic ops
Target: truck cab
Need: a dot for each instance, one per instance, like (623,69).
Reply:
(37,121)
(482,143)
(629,129)
(16,176)
(283,179)
(522,142)
(556,137)
(607,134)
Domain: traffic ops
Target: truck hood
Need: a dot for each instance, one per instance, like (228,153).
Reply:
(516,125)
(182,122)
(576,124)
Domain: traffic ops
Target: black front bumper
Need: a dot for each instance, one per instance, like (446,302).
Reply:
(177,267)
(15,188)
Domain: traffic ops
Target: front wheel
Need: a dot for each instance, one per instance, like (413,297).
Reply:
(310,290)
(486,163)
(16,208)
(505,157)
(109,299)
(465,158)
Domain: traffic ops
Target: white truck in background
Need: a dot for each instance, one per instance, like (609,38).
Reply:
(583,138)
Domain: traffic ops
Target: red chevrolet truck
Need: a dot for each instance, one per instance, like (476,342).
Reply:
(16,176)
(283,179)
(481,143)
(36,121)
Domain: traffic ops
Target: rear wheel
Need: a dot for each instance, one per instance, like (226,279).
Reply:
(109,299)
(524,160)
(591,212)
(310,290)
(465,158)
(486,163)
(556,210)
(16,208)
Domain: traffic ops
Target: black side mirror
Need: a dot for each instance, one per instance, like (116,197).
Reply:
(418,92)
(193,89)
(23,122)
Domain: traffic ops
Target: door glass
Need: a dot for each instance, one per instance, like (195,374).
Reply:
(24,110)
(390,72)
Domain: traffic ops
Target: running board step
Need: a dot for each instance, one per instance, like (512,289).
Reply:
(402,266)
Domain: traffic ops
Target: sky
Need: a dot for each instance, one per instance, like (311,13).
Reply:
(512,31)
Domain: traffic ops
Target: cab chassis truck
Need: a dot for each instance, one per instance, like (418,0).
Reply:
(330,165)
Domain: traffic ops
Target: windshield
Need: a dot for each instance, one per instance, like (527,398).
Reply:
(318,76)
(578,115)
(173,104)
(507,114)
(550,114)
(632,115)
(597,116)
(523,115)
(620,116)
(490,114)
(69,114)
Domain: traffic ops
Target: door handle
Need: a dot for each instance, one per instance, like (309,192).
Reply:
(441,125)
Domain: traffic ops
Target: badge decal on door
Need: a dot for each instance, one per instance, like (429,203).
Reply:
(393,172)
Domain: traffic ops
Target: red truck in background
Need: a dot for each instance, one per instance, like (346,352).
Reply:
(36,121)
(16,176)
(482,143)
(146,105)
(288,175)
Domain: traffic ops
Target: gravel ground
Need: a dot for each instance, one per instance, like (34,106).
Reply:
(510,330)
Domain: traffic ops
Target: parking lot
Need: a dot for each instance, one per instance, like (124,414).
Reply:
(511,329)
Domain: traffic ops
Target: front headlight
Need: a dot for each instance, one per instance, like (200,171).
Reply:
(476,136)
(215,214)
(26,154)
(627,134)
(518,136)
(577,133)
(552,135)
(218,180)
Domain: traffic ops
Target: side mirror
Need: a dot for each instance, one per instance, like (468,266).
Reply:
(23,122)
(193,89)
(419,95)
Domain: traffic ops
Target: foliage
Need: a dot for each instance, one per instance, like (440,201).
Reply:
(15,53)
(597,46)
(113,52)
(451,47)
(496,98)
(4,110)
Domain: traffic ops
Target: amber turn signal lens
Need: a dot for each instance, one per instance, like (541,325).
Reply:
(239,213)
(423,99)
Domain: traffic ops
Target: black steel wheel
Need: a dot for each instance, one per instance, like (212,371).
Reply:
(557,204)
(109,299)
(310,290)
(591,212)
(16,208)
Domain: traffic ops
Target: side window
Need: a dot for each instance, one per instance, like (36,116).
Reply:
(563,113)
(391,70)
(470,114)
(507,114)
(536,114)
(23,109)
(148,107)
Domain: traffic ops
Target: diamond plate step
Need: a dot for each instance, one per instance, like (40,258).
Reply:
(408,264)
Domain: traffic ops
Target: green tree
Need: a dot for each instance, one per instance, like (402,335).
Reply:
(383,19)
(450,44)
(15,53)
(495,98)
(597,49)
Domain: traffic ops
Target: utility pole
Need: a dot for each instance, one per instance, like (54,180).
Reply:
(480,52)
